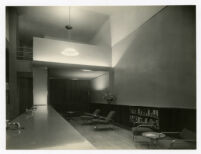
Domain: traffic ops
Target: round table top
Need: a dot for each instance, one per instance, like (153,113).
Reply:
(70,112)
(153,135)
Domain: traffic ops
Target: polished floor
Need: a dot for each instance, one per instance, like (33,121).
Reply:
(45,129)
(121,139)
(117,138)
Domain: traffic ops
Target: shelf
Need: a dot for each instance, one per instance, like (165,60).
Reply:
(144,115)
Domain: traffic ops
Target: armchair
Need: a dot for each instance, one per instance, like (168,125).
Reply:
(89,116)
(185,139)
(102,122)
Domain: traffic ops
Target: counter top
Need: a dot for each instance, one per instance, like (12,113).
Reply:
(44,128)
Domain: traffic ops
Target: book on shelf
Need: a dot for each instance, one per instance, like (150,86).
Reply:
(144,115)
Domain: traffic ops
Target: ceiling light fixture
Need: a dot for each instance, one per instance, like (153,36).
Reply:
(85,70)
(69,51)
(68,26)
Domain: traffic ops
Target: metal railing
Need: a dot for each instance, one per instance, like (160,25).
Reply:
(24,53)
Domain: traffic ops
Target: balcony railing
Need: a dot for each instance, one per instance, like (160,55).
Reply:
(24,53)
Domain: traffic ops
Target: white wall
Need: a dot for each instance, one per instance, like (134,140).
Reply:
(101,82)
(120,25)
(124,23)
(99,87)
(103,36)
(40,90)
(127,21)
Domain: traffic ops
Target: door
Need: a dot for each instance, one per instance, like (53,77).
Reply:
(25,93)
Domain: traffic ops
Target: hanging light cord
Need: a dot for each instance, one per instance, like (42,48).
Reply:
(69,15)
(69,31)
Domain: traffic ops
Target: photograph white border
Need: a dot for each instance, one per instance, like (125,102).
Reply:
(4,3)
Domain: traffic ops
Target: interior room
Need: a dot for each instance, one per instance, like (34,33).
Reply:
(101,77)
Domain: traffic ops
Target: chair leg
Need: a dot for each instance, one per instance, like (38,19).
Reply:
(172,144)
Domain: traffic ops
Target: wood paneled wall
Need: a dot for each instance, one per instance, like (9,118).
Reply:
(65,95)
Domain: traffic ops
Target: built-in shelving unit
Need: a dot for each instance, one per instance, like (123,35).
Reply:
(144,115)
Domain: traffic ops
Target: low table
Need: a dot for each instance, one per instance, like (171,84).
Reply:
(154,137)
(69,114)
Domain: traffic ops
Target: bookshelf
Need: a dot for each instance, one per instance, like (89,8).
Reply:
(144,115)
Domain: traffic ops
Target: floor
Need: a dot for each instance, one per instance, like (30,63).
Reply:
(118,138)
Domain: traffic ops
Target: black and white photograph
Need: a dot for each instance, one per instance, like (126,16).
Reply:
(109,77)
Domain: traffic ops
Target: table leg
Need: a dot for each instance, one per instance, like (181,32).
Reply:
(153,143)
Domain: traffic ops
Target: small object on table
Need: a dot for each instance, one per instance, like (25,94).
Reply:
(154,137)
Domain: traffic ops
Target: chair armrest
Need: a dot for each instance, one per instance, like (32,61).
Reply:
(173,135)
(175,142)
(101,117)
(91,115)
(186,140)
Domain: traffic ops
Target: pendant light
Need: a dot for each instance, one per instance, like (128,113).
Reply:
(69,51)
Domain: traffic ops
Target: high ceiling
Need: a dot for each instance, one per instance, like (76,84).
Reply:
(50,22)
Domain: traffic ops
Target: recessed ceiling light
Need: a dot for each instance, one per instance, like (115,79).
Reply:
(70,52)
(86,70)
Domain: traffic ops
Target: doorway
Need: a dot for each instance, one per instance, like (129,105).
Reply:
(25,91)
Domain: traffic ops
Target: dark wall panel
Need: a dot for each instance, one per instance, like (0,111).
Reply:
(25,91)
(69,94)
(12,106)
(176,119)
